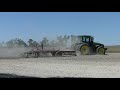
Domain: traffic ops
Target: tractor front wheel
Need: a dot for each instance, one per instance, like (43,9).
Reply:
(101,50)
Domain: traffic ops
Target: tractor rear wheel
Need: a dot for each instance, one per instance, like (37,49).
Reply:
(85,49)
(101,50)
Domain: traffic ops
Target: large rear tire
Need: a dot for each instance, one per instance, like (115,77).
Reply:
(85,49)
(101,50)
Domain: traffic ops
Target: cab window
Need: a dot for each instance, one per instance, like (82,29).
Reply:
(84,39)
(87,40)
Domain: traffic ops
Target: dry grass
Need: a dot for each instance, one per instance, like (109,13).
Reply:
(113,49)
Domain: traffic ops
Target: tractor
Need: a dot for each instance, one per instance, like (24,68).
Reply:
(85,45)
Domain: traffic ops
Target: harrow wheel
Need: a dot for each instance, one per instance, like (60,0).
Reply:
(53,53)
(26,55)
(36,55)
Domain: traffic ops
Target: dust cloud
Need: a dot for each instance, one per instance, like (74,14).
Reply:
(16,52)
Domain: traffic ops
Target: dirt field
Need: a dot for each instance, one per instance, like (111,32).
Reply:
(96,66)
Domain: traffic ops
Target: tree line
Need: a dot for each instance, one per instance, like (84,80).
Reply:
(60,41)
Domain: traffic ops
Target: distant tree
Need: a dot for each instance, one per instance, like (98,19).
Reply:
(45,41)
(10,43)
(21,43)
(33,43)
(30,41)
(16,43)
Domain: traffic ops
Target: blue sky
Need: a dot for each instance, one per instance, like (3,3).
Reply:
(104,26)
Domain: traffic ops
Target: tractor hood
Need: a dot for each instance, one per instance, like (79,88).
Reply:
(96,43)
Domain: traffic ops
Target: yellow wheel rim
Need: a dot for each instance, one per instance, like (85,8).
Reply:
(101,51)
(84,49)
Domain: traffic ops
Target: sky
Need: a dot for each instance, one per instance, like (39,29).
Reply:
(104,26)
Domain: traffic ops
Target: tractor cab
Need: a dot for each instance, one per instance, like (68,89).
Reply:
(85,39)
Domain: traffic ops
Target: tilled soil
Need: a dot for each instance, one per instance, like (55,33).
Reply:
(95,66)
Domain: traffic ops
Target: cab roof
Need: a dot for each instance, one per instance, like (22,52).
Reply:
(85,36)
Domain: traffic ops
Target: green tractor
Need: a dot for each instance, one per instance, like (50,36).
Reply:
(86,45)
